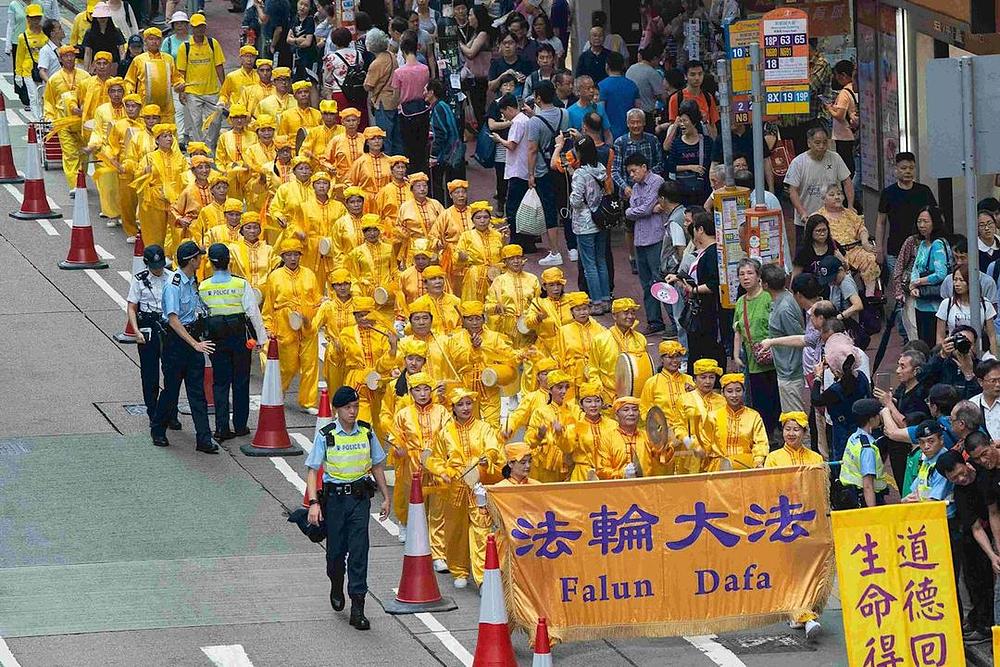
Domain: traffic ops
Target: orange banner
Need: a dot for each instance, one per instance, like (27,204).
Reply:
(666,556)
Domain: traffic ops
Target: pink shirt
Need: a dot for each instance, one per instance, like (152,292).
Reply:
(517,159)
(410,81)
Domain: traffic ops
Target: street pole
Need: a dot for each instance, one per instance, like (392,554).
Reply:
(722,71)
(969,167)
(757,114)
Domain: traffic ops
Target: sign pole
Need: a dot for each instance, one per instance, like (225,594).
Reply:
(757,114)
(971,223)
(722,70)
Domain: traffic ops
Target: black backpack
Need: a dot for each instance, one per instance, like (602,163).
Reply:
(353,85)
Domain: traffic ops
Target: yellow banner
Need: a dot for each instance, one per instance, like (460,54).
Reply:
(897,586)
(666,556)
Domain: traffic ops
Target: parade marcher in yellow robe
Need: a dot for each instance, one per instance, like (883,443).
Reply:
(532,400)
(229,231)
(415,428)
(575,338)
(159,182)
(236,81)
(291,297)
(421,319)
(154,75)
(416,216)
(62,107)
(476,255)
(629,444)
(214,213)
(367,349)
(473,349)
(397,392)
(315,220)
(93,92)
(188,205)
(693,410)
(465,442)
(548,429)
(29,44)
(371,171)
(300,117)
(792,453)
(445,305)
(518,468)
(231,149)
(106,173)
(373,266)
(284,208)
(666,390)
(319,137)
(255,92)
(391,196)
(543,318)
(587,440)
(116,151)
(510,293)
(258,158)
(251,256)
(345,149)
(411,279)
(281,99)
(334,315)
(735,434)
(347,232)
(453,220)
(622,338)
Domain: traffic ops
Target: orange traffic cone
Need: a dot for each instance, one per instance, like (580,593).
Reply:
(209,382)
(271,438)
(35,204)
(127,335)
(543,650)
(323,419)
(418,587)
(8,172)
(82,254)
(493,646)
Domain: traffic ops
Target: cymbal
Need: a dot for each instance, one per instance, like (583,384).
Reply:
(656,427)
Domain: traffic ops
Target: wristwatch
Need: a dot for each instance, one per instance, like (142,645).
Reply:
(313,501)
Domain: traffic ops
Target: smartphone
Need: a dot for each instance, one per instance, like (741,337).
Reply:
(883,381)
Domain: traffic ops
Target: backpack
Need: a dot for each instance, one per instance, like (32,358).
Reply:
(679,95)
(550,145)
(353,85)
(213,42)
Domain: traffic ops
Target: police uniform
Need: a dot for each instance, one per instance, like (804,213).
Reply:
(233,319)
(181,362)
(347,460)
(145,290)
(861,458)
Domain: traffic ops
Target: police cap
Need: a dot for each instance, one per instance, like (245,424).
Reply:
(343,396)
(866,408)
(154,257)
(300,518)
(187,250)
(218,253)
(928,427)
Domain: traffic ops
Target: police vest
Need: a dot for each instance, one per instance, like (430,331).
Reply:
(225,298)
(348,457)
(850,465)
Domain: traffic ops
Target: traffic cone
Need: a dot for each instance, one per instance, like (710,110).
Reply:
(543,651)
(127,336)
(8,172)
(493,646)
(271,438)
(82,254)
(324,418)
(35,204)
(418,587)
(209,383)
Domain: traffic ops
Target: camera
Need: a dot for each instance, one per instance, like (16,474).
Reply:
(961,343)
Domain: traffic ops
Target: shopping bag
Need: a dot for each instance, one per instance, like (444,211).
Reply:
(530,215)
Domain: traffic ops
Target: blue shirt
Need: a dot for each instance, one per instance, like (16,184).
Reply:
(180,297)
(948,437)
(867,461)
(619,95)
(317,456)
(575,113)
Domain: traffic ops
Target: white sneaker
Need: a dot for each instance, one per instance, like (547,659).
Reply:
(573,255)
(552,259)
(402,535)
(813,629)
(130,240)
(795,625)
(461,582)
(440,565)
(110,222)
(310,411)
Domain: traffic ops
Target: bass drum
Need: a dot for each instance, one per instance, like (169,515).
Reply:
(631,373)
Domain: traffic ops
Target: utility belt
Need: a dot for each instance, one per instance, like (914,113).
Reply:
(361,488)
(149,319)
(196,329)
(226,326)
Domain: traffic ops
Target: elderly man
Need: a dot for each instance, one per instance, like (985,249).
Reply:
(62,108)
(154,75)
(611,343)
(811,173)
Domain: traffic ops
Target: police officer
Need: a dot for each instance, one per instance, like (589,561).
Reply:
(351,455)
(233,320)
(145,308)
(183,352)
(862,475)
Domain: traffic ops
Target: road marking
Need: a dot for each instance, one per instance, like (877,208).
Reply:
(47,226)
(286,471)
(7,658)
(389,526)
(7,88)
(108,289)
(444,636)
(715,651)
(15,119)
(227,656)
(104,254)
(14,192)
(52,203)
(304,441)
(126,276)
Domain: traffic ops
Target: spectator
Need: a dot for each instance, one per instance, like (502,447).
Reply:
(742,137)
(135,47)
(546,58)
(410,81)
(843,295)
(694,75)
(898,207)
(546,123)
(612,41)
(180,32)
(585,195)
(989,377)
(425,41)
(527,48)
(689,155)
(382,95)
(499,117)
(849,385)
(644,211)
(908,397)
(275,17)
(565,99)
(844,112)
(477,53)
(586,102)
(336,64)
(848,230)
(124,18)
(649,81)
(305,54)
(987,242)
(508,62)
(516,171)
(594,60)
(751,325)
(543,33)
(785,319)
(930,266)
(960,255)
(618,92)
(635,141)
(377,11)
(674,244)
(426,16)
(816,245)
(362,24)
(966,418)
(561,16)
(102,36)
(327,25)
(956,310)
(811,173)
(48,56)
(954,364)
(861,473)
(447,159)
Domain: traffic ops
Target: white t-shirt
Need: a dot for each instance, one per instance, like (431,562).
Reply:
(955,314)
(813,177)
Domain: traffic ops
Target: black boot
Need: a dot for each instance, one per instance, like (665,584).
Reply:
(358,619)
(337,600)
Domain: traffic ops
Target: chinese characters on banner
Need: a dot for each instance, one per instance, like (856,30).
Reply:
(897,586)
(666,556)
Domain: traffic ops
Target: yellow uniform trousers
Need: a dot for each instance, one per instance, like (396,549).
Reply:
(298,354)
(466,529)
(154,222)
(128,200)
(106,180)
(71,143)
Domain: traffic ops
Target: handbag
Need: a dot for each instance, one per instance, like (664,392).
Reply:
(781,155)
(689,182)
(530,218)
(36,75)
(689,319)
(486,148)
(760,355)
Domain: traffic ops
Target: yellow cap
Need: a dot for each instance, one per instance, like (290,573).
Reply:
(328,106)
(237,110)
(730,378)
(456,184)
(321,176)
(249,218)
(511,250)
(289,245)
(797,417)
(588,389)
(152,32)
(374,131)
(422,304)
(421,247)
(622,401)
(338,276)
(151,110)
(553,274)
(623,304)
(671,348)
(283,141)
(265,120)
(264,62)
(301,85)
(363,304)
(370,220)
(545,364)
(232,206)
(33,10)
(247,50)
(706,366)
(418,379)
(198,148)
(217,177)
(557,377)
(477,206)
(197,20)
(470,308)
(353,191)
(135,98)
(350,111)
(197,160)
(515,451)
(396,159)
(417,177)
(574,299)
(281,73)
(412,347)
(65,49)
(299,159)
(458,393)
(100,55)
(163,128)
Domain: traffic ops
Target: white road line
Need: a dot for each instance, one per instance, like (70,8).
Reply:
(7,88)
(715,651)
(52,203)
(126,276)
(15,119)
(446,638)
(389,526)
(104,254)
(108,289)
(286,471)
(14,192)
(227,656)
(7,658)
(47,226)
(304,442)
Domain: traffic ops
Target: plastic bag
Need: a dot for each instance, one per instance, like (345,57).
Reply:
(530,215)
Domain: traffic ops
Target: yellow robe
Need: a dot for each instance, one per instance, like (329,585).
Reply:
(543,317)
(210,215)
(105,174)
(549,461)
(259,159)
(317,220)
(116,151)
(604,352)
(371,265)
(415,221)
(466,526)
(667,391)
(284,208)
(275,105)
(333,317)
(166,182)
(364,351)
(588,445)
(154,76)
(792,456)
(287,291)
(193,198)
(254,93)
(296,118)
(251,261)
(62,102)
(386,206)
(347,236)
(92,93)
(229,158)
(444,235)
(622,446)
(692,413)
(342,152)
(573,347)
(234,84)
(470,362)
(315,143)
(739,436)
(529,403)
(369,173)
(512,291)
(482,250)
(446,318)
(436,365)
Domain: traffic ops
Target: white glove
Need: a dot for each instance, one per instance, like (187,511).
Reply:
(630,471)
(479,491)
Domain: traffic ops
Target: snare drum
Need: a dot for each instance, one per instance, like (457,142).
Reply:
(522,326)
(494,376)
(372,380)
(324,246)
(631,372)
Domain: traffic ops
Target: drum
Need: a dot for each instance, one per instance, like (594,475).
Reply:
(494,376)
(295,320)
(492,272)
(372,380)
(631,373)
(324,246)
(522,326)
(381,296)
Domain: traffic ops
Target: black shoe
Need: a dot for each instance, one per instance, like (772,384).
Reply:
(161,442)
(977,637)
(235,10)
(174,425)
(358,619)
(210,448)
(222,436)
(967,629)
(240,432)
(654,329)
(337,600)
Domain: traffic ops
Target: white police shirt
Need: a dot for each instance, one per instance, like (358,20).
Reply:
(146,290)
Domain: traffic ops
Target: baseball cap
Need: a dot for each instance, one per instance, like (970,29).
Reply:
(218,253)
(135,40)
(179,17)
(828,269)
(866,408)
(154,257)
(187,250)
